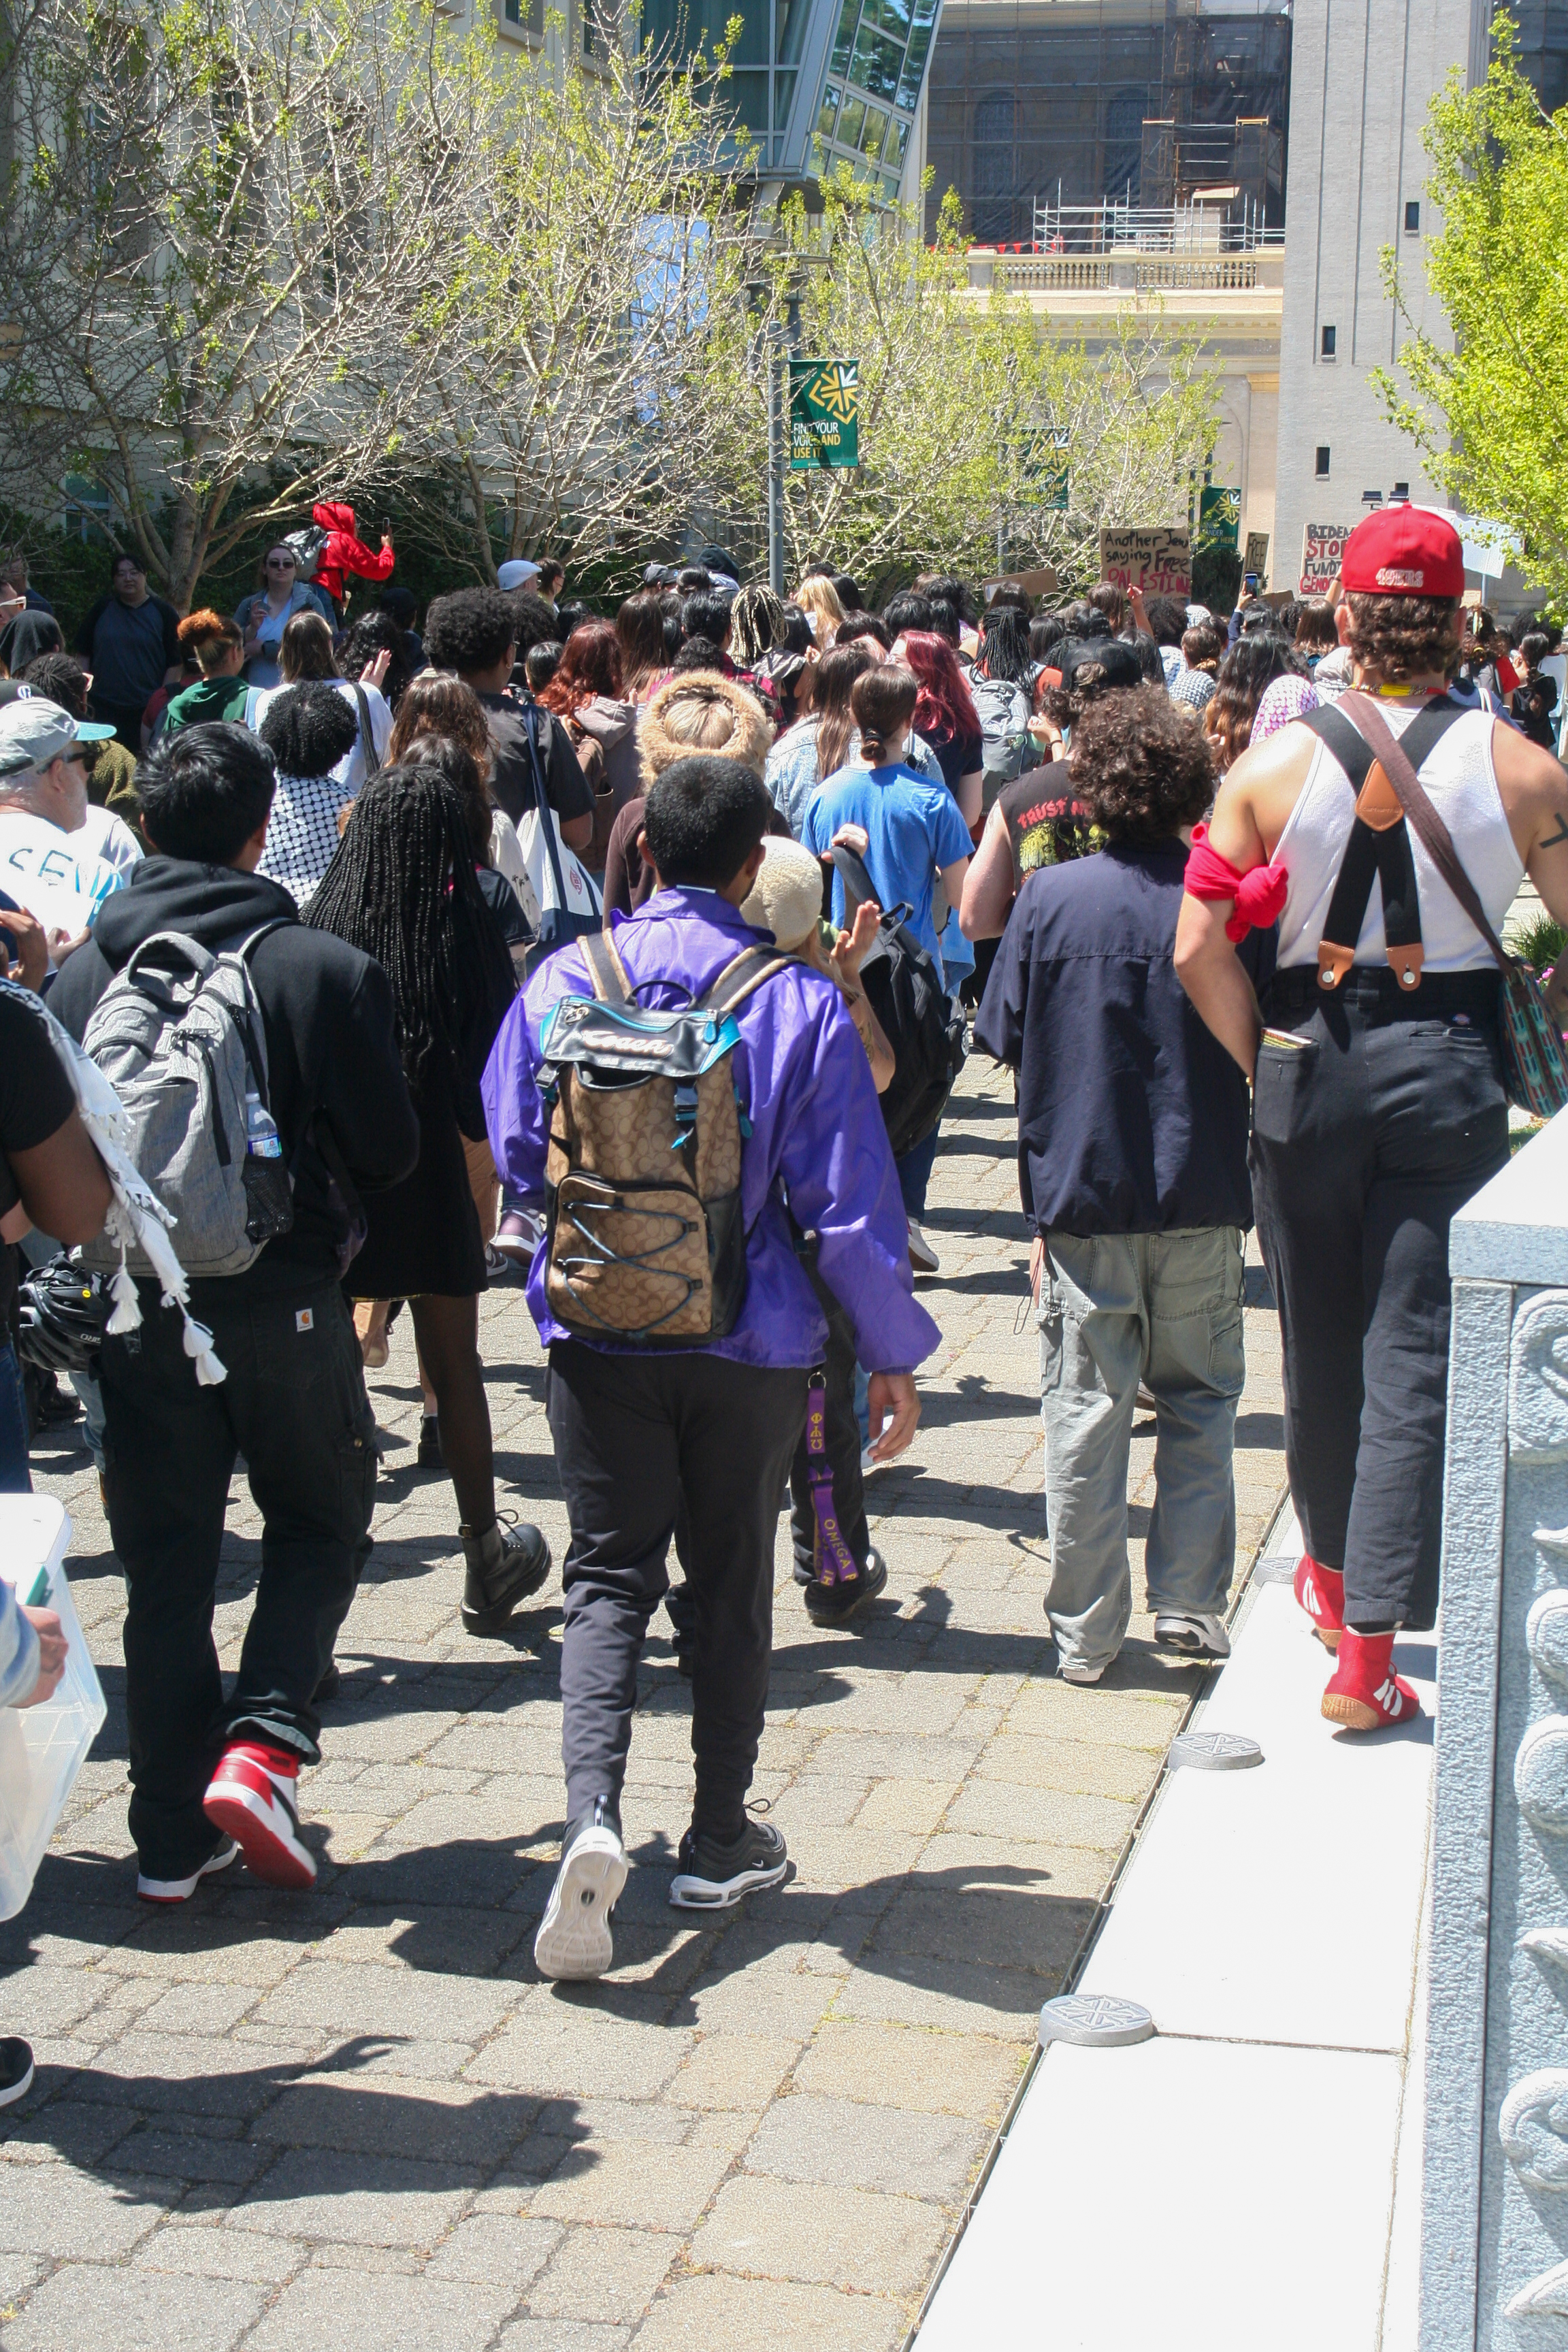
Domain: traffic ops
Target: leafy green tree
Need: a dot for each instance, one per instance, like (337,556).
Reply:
(214,219)
(1490,410)
(569,397)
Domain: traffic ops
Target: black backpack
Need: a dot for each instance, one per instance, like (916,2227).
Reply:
(923,1025)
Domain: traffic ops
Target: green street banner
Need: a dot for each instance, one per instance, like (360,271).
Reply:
(824,413)
(1219,515)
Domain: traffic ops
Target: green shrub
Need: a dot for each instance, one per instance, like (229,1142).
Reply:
(1541,941)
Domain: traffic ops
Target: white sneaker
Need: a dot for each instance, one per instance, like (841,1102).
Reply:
(1196,1633)
(922,1257)
(573,1943)
(1079,1674)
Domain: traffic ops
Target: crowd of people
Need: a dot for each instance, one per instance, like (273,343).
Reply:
(636,955)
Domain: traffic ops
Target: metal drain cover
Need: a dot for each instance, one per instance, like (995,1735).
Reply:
(1215,1751)
(1094,2020)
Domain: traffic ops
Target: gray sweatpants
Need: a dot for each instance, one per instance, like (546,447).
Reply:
(1115,1309)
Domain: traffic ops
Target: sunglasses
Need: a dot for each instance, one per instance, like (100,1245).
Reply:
(281,563)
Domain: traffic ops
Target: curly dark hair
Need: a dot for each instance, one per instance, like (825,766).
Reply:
(471,629)
(1140,766)
(1252,664)
(376,632)
(1401,638)
(310,729)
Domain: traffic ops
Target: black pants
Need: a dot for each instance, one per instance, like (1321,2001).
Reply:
(1366,1139)
(294,1404)
(632,1434)
(842,1439)
(124,718)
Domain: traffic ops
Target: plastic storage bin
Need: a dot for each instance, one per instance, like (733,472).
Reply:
(42,1748)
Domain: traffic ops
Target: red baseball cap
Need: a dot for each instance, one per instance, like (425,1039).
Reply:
(1404,551)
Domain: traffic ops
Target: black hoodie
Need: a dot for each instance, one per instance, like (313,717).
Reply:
(332,1040)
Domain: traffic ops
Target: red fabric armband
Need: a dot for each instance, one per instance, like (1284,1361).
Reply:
(1260,896)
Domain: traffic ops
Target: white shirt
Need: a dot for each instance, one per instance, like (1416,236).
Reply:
(55,876)
(350,770)
(110,838)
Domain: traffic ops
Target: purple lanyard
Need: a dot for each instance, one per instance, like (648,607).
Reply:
(835,1561)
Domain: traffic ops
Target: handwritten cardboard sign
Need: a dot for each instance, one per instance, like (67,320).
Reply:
(1323,553)
(1157,557)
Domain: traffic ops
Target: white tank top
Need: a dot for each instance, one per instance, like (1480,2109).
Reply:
(1462,786)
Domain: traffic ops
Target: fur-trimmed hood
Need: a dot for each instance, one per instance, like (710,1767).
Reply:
(659,743)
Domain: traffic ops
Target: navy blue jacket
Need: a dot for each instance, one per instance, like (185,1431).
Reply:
(1132,1119)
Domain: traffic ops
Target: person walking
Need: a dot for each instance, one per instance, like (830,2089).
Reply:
(1132,1160)
(129,640)
(636,1428)
(476,633)
(209,1770)
(1378,1104)
(914,834)
(586,695)
(310,731)
(402,888)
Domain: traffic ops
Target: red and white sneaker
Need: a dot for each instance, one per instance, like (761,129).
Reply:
(180,1890)
(251,1795)
(1321,1592)
(1365,1693)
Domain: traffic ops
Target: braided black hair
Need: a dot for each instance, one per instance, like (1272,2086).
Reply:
(402,888)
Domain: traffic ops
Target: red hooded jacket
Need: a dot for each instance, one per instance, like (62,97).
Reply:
(345,551)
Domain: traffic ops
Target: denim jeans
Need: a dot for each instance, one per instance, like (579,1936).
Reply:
(14,1477)
(294,1404)
(914,1173)
(1115,1309)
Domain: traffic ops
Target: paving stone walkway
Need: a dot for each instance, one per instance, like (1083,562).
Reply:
(269,2121)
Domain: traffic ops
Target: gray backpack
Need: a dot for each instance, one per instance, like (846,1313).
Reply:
(179,1035)
(1008,750)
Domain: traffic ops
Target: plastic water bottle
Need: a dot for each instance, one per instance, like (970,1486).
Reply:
(268,1187)
(261,1135)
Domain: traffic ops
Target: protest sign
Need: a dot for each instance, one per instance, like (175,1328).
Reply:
(1322,551)
(1157,557)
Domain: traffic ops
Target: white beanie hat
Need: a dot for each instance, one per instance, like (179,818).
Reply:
(786,896)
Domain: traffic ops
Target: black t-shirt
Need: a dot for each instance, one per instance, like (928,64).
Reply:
(505,906)
(1044,822)
(1531,707)
(36,1099)
(959,755)
(567,789)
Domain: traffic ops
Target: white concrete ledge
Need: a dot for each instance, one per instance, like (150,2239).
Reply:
(1230,2184)
(1513,1229)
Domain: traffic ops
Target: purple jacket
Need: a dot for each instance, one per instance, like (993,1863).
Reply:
(816,1135)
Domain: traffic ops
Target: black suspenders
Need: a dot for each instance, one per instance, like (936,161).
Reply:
(1379,845)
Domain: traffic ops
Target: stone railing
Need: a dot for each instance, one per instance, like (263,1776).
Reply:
(1495,2185)
(1124,272)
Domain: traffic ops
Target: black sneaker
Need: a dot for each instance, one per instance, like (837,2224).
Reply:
(835,1604)
(573,1944)
(710,1876)
(430,1455)
(15,2071)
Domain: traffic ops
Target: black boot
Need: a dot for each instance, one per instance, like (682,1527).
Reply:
(505,1565)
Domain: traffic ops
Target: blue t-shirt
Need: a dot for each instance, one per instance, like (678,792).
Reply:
(914,831)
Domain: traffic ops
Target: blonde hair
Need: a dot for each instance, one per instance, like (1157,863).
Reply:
(819,598)
(701,711)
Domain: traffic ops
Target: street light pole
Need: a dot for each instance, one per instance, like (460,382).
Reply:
(775,464)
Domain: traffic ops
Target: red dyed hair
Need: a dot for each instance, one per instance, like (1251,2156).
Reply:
(590,664)
(945,706)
